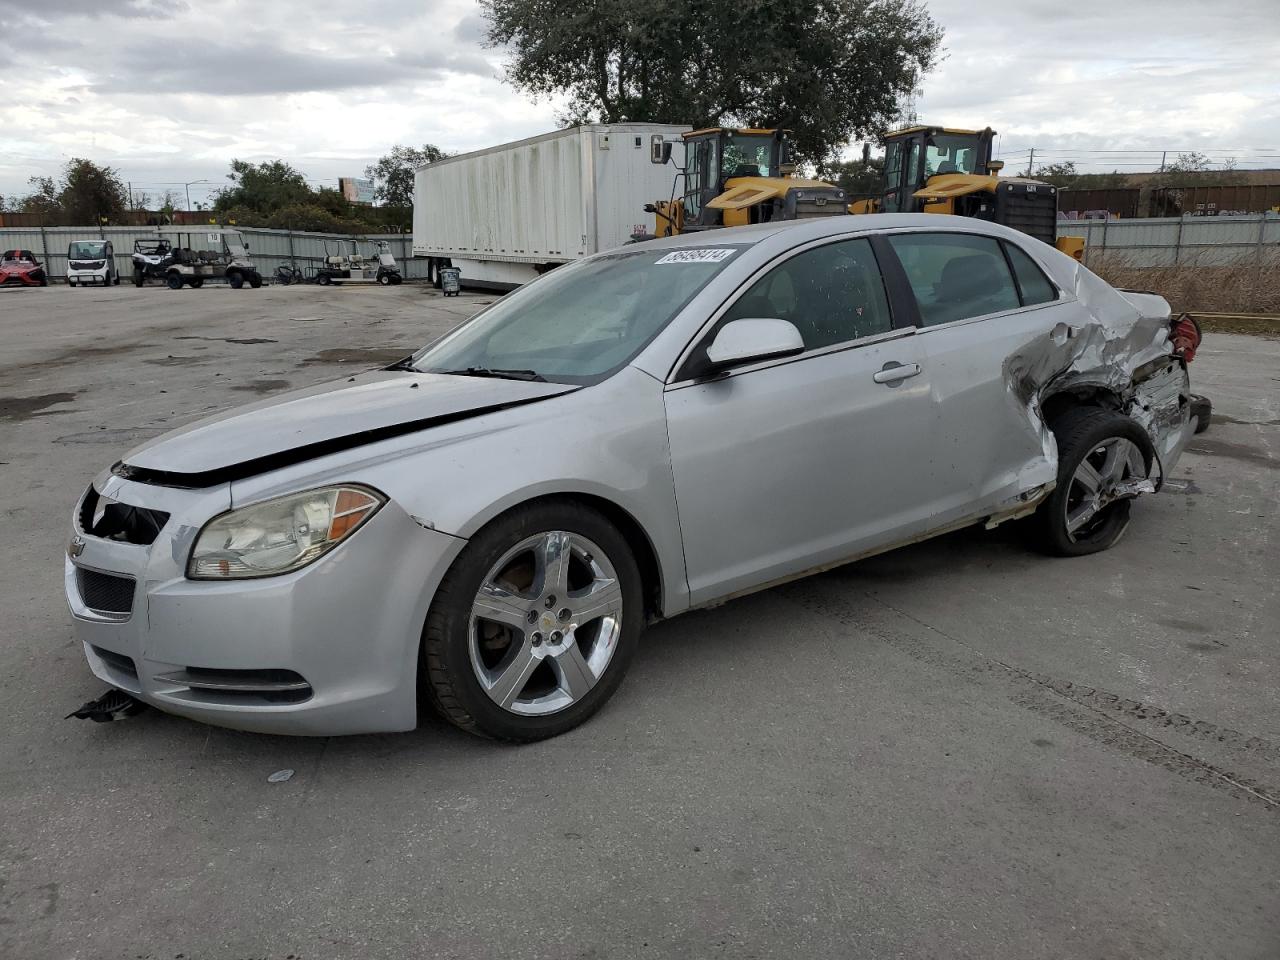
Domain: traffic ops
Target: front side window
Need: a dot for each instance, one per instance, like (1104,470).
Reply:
(583,321)
(832,294)
(955,276)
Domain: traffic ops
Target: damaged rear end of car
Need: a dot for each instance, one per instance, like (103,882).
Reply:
(1126,360)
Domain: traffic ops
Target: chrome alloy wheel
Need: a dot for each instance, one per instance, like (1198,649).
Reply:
(1102,478)
(545,623)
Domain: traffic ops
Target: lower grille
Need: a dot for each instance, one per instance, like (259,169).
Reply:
(105,592)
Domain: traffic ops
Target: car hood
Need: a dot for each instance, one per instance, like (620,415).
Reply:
(320,420)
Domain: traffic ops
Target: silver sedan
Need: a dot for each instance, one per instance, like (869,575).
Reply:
(487,526)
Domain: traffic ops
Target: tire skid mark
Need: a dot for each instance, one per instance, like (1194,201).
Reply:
(1042,695)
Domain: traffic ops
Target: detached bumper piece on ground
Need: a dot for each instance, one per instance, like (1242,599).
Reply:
(112,705)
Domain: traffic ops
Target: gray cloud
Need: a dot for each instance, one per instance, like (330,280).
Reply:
(21,11)
(472,30)
(259,68)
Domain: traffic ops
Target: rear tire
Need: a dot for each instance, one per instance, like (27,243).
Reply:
(196,283)
(324,279)
(255,281)
(1077,518)
(564,669)
(174,280)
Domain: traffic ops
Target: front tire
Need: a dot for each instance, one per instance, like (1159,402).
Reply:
(1099,451)
(236,279)
(534,625)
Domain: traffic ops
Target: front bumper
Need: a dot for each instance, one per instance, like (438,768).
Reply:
(81,276)
(329,649)
(20,279)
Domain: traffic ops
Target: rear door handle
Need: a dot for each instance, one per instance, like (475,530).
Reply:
(894,372)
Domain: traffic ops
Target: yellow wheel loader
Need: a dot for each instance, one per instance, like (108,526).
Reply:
(733,177)
(944,170)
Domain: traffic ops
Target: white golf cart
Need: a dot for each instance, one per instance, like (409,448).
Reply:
(208,253)
(345,263)
(91,261)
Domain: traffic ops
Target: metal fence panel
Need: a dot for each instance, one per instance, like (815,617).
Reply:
(268,248)
(1173,241)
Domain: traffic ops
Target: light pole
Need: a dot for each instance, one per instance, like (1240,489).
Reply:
(187,187)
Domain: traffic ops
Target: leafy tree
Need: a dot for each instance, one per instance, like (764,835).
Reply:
(858,178)
(262,187)
(91,194)
(830,72)
(393,174)
(43,198)
(1195,169)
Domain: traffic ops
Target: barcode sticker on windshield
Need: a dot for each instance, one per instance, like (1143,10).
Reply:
(697,256)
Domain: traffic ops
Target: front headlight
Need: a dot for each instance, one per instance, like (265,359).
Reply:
(280,535)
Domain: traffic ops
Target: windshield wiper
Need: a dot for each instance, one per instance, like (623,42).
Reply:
(498,373)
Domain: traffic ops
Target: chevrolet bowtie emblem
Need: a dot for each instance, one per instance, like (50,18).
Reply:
(76,546)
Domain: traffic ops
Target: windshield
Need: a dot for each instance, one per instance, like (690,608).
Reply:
(581,322)
(87,250)
(748,155)
(951,153)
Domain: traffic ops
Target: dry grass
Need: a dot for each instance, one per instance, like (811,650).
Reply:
(1250,288)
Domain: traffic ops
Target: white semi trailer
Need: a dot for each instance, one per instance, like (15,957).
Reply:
(506,214)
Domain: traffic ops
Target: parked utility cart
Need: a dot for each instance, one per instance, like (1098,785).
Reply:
(91,261)
(190,257)
(344,262)
(151,257)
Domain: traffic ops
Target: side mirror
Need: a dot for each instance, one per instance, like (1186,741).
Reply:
(659,149)
(751,339)
(995,166)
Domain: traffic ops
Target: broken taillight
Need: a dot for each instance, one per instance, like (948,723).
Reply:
(1186,336)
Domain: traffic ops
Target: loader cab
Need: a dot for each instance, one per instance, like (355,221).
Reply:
(715,156)
(913,156)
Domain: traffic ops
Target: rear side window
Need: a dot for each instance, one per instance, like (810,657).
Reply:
(1035,286)
(955,276)
(832,294)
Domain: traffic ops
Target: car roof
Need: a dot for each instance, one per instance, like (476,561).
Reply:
(813,228)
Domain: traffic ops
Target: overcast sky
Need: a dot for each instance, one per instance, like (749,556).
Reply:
(168,91)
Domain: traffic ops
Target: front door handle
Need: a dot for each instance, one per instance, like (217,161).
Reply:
(894,373)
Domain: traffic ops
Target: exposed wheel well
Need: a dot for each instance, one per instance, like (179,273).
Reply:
(1053,407)
(631,530)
